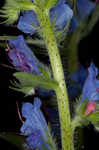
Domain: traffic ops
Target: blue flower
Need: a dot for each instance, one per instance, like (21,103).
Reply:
(35,141)
(26,22)
(35,126)
(85,7)
(91,86)
(61,13)
(79,76)
(22,57)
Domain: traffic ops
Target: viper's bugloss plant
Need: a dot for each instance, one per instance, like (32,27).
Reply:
(54,27)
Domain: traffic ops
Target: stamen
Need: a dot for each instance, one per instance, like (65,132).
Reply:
(19,114)
(7,45)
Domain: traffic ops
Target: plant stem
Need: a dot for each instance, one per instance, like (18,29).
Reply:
(61,92)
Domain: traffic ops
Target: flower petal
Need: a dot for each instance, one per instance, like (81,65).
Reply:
(62,12)
(26,22)
(85,7)
(34,119)
(91,85)
(22,57)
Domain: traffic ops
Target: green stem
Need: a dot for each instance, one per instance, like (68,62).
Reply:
(61,92)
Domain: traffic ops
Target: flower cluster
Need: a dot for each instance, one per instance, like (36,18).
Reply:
(62,12)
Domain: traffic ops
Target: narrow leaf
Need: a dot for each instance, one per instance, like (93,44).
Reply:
(30,80)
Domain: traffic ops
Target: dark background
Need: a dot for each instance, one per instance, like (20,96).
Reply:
(9,120)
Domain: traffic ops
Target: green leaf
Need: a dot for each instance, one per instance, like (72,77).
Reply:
(45,72)
(16,139)
(30,80)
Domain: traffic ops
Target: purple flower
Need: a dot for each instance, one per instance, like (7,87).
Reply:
(35,126)
(91,86)
(22,57)
(85,7)
(61,12)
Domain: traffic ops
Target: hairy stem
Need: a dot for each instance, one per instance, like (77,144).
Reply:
(61,92)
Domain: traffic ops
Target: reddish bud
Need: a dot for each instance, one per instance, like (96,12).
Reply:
(91,107)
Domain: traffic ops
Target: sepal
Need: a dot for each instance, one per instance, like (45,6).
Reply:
(80,108)
(94,118)
(51,139)
(50,3)
(79,118)
(82,119)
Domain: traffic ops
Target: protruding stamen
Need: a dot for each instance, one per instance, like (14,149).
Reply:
(19,114)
